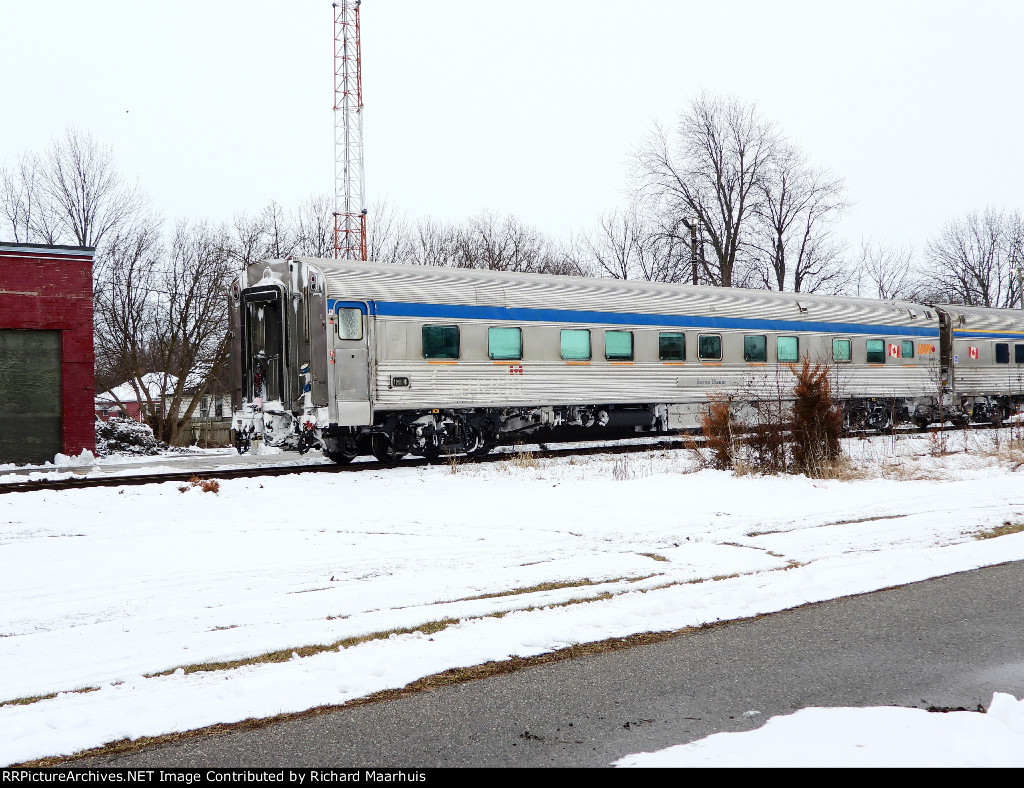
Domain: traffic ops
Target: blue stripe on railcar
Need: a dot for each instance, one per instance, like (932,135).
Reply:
(526,315)
(965,334)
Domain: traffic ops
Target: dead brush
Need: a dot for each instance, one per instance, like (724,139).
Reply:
(817,424)
(721,433)
(1008,449)
(206,485)
(624,469)
(523,459)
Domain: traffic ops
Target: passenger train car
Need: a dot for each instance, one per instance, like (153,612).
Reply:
(394,359)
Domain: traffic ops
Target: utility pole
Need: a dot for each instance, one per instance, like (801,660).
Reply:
(694,259)
(349,178)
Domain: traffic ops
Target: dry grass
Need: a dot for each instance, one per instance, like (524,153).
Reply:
(1006,450)
(586,581)
(283,655)
(625,468)
(36,698)
(523,459)
(1001,530)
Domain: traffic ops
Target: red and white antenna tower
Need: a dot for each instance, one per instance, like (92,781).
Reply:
(349,180)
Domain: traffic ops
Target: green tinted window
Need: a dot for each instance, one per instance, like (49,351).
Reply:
(875,351)
(755,348)
(842,350)
(576,344)
(709,347)
(672,347)
(618,345)
(505,344)
(440,341)
(907,348)
(787,350)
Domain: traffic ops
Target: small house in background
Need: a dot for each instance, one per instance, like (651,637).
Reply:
(46,352)
(130,401)
(209,424)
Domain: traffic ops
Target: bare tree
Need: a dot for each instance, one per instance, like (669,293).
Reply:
(71,194)
(487,241)
(434,243)
(125,299)
(270,234)
(82,186)
(710,170)
(161,317)
(885,270)
(507,244)
(23,204)
(313,229)
(971,260)
(796,212)
(189,335)
(627,245)
(389,239)
(279,235)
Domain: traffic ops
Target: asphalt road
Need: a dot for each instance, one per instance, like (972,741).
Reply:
(948,642)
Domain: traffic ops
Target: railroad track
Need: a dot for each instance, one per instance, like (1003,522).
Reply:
(546,451)
(123,480)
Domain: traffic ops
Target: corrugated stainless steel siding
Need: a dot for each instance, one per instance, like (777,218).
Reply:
(421,284)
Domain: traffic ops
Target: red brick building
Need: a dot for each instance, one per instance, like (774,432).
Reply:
(46,352)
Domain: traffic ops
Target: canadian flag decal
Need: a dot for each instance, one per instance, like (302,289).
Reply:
(894,351)
(972,352)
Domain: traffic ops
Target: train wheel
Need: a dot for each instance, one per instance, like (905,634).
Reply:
(340,457)
(384,450)
(343,452)
(485,436)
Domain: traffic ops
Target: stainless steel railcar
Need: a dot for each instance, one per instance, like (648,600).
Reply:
(394,359)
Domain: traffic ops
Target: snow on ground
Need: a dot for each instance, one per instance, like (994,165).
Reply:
(110,596)
(874,737)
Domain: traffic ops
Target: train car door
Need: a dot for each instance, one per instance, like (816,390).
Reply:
(351,359)
(263,324)
(946,357)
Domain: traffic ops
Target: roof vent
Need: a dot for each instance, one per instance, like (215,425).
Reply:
(801,306)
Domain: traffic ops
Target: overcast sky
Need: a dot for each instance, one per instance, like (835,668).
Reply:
(524,107)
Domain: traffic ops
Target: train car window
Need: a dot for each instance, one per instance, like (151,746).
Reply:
(618,345)
(755,348)
(672,346)
(1002,353)
(787,350)
(440,341)
(576,344)
(1018,354)
(709,347)
(875,351)
(505,344)
(842,350)
(907,348)
(350,323)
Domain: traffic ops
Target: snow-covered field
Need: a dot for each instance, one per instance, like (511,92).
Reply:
(110,596)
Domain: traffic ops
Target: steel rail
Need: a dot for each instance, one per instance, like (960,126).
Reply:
(137,479)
